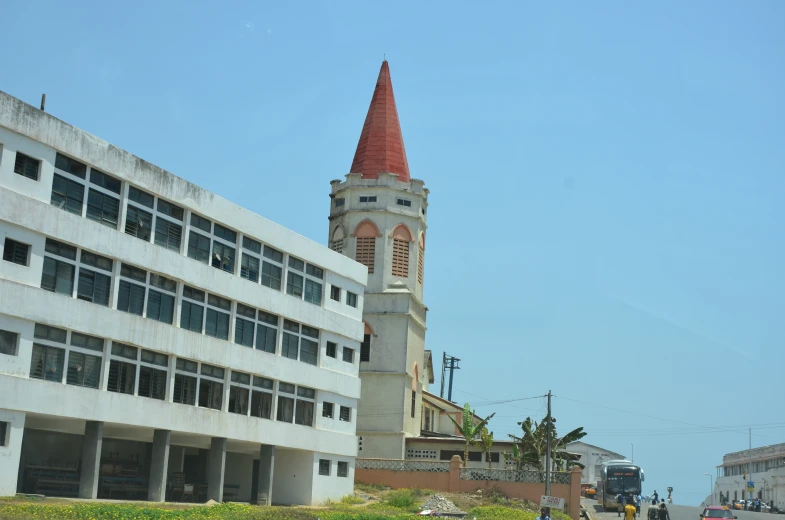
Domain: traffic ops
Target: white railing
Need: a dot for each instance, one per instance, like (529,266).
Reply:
(403,465)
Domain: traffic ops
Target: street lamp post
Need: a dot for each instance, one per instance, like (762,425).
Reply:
(711,488)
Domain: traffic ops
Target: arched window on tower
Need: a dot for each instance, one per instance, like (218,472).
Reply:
(337,240)
(421,259)
(400,257)
(365,251)
(365,346)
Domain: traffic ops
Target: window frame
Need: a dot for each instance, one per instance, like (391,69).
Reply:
(365,348)
(192,301)
(350,352)
(213,381)
(156,367)
(265,320)
(105,195)
(260,387)
(70,182)
(59,259)
(270,263)
(335,293)
(347,411)
(28,159)
(308,280)
(303,398)
(301,335)
(12,342)
(342,469)
(218,311)
(182,371)
(123,361)
(11,253)
(331,346)
(324,467)
(328,414)
(236,385)
(351,299)
(128,280)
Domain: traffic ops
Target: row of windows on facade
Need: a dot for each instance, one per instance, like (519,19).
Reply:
(154,296)
(754,467)
(137,371)
(474,456)
(148,217)
(325,465)
(340,201)
(365,248)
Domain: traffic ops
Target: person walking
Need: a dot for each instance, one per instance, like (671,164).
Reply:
(619,504)
(630,511)
(662,513)
(638,503)
(652,513)
(656,496)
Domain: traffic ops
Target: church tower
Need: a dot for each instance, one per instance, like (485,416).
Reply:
(377,217)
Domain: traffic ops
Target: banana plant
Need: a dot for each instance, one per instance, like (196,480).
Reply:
(468,430)
(486,442)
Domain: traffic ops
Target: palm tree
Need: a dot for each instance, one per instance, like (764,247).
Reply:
(486,441)
(468,429)
(530,449)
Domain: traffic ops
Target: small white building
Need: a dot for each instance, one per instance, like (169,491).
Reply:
(158,341)
(764,467)
(592,458)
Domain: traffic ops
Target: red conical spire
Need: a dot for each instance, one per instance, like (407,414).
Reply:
(380,148)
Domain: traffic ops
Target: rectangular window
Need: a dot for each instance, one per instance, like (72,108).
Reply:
(16,252)
(155,358)
(271,275)
(414,402)
(327,410)
(252,245)
(201,223)
(348,354)
(343,467)
(243,332)
(294,284)
(238,400)
(9,342)
(404,202)
(273,254)
(313,292)
(285,412)
(167,208)
(199,247)
(225,233)
(365,348)
(26,166)
(210,394)
(335,293)
(223,256)
(331,349)
(162,282)
(105,181)
(57,276)
(93,287)
(101,262)
(340,201)
(266,338)
(152,383)
(88,342)
(160,306)
(122,377)
(304,413)
(261,404)
(49,333)
(351,299)
(83,370)
(345,414)
(71,166)
(289,345)
(102,208)
(138,223)
(371,198)
(130,298)
(493,456)
(217,324)
(308,351)
(140,197)
(67,195)
(168,234)
(191,316)
(134,273)
(4,429)
(126,351)
(184,389)
(47,363)
(324,464)
(249,268)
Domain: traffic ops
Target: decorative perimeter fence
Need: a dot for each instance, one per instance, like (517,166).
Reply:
(451,477)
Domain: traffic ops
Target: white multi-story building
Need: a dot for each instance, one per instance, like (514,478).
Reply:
(159,341)
(763,468)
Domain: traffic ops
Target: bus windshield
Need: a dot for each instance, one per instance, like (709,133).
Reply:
(624,480)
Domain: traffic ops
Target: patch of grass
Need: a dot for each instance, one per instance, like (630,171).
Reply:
(369,488)
(401,498)
(352,500)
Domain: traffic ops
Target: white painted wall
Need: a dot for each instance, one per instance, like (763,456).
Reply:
(239,470)
(10,449)
(293,477)
(25,274)
(335,424)
(331,487)
(11,142)
(431,445)
(18,365)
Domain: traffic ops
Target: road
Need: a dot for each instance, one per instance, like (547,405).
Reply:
(676,512)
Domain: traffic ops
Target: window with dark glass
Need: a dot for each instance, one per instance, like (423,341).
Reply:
(93,287)
(60,249)
(271,275)
(343,466)
(225,233)
(130,298)
(89,342)
(348,354)
(335,293)
(122,377)
(49,333)
(83,370)
(365,348)
(351,299)
(152,383)
(285,411)
(249,268)
(105,181)
(266,332)
(9,342)
(210,393)
(201,223)
(331,348)
(67,194)
(223,257)
(57,276)
(16,252)
(140,197)
(244,328)
(184,384)
(102,208)
(192,314)
(303,413)
(26,166)
(238,395)
(327,410)
(324,465)
(138,223)
(262,397)
(160,306)
(169,209)
(199,247)
(168,234)
(47,363)
(252,245)
(345,414)
(71,166)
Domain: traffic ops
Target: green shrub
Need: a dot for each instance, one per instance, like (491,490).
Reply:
(352,500)
(402,498)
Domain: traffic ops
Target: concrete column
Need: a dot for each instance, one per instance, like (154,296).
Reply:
(264,493)
(91,459)
(156,490)
(455,474)
(215,470)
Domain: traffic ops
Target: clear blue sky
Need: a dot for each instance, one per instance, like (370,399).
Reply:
(607,180)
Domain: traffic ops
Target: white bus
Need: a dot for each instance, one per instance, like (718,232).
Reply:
(618,476)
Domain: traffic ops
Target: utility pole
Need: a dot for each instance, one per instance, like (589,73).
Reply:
(548,450)
(448,363)
(749,464)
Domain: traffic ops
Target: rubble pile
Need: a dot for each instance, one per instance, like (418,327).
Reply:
(440,504)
